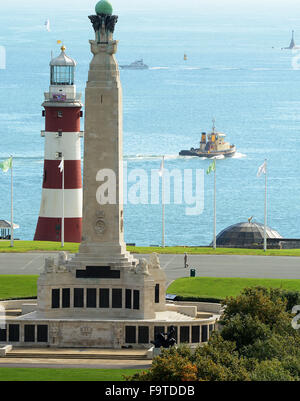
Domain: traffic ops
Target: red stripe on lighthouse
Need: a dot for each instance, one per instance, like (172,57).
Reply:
(49,229)
(66,119)
(53,176)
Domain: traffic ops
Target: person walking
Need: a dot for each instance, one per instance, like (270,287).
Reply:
(185,260)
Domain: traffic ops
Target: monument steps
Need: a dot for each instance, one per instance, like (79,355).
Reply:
(90,353)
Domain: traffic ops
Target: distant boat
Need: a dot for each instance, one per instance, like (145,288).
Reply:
(47,25)
(292,45)
(136,65)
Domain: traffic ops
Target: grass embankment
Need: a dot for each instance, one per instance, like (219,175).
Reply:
(45,374)
(220,288)
(44,246)
(210,251)
(35,246)
(17,286)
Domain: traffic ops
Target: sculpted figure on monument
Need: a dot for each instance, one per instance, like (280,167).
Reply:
(49,265)
(142,267)
(154,262)
(165,340)
(109,22)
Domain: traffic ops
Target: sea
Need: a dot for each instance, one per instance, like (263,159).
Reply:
(236,73)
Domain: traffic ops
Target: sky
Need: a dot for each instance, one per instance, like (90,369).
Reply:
(266,6)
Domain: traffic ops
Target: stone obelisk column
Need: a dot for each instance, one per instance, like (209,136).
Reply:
(102,231)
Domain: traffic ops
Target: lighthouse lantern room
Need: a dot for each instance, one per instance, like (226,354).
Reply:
(61,202)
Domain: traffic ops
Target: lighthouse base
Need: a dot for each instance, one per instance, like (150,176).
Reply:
(49,229)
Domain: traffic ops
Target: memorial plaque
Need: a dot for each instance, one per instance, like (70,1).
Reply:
(157,293)
(14,332)
(204,335)
(184,334)
(29,333)
(143,335)
(130,334)
(136,299)
(128,295)
(195,334)
(91,297)
(2,335)
(98,272)
(78,297)
(66,297)
(117,298)
(104,298)
(42,333)
(55,298)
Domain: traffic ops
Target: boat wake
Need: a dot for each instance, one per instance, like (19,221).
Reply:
(238,155)
(159,68)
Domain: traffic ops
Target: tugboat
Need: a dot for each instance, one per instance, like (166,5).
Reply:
(136,65)
(214,145)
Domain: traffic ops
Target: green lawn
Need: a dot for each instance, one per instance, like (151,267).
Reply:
(64,374)
(35,246)
(218,251)
(32,246)
(17,286)
(220,288)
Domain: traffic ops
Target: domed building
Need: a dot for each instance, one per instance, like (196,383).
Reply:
(245,235)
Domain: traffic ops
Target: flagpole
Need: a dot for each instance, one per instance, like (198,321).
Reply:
(63,206)
(12,207)
(265,226)
(163,202)
(215,206)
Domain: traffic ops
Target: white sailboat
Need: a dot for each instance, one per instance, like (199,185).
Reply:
(47,25)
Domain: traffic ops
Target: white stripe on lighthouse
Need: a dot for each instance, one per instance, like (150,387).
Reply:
(68,144)
(51,205)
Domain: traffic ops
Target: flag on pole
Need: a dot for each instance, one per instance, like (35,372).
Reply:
(162,166)
(62,165)
(161,173)
(6,165)
(262,169)
(211,167)
(47,25)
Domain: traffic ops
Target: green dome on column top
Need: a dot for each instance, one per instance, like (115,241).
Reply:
(104,7)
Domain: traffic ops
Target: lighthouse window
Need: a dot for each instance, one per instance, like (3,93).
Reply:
(62,75)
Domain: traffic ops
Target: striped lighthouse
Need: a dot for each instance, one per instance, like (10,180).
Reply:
(60,217)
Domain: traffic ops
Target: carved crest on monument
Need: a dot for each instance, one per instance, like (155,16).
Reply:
(100,225)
